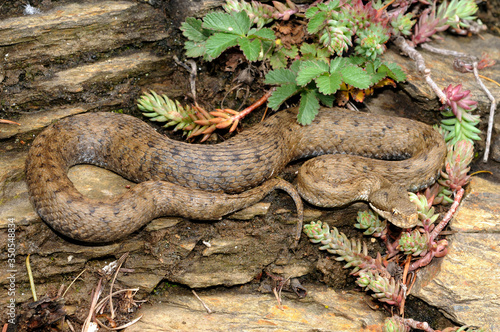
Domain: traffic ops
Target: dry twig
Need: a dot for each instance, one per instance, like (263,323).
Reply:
(493,107)
(203,303)
(420,64)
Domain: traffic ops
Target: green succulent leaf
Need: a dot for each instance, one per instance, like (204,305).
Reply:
(308,107)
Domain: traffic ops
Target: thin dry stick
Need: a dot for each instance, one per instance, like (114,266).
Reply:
(203,303)
(71,284)
(493,107)
(192,74)
(103,302)
(442,51)
(96,293)
(421,68)
(70,325)
(132,322)
(120,262)
(9,122)
(30,277)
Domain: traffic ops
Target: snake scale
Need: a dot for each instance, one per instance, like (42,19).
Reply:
(207,182)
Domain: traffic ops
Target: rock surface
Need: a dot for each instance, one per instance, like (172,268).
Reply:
(465,284)
(238,310)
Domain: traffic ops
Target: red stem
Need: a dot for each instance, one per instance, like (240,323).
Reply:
(250,108)
(449,214)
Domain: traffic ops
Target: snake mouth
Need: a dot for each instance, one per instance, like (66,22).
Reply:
(397,218)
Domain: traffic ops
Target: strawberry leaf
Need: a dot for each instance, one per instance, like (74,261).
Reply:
(308,107)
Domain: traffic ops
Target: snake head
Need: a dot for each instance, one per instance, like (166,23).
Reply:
(393,204)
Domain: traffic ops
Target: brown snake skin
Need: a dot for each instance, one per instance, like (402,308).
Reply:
(188,180)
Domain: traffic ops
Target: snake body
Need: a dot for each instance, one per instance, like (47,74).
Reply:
(209,181)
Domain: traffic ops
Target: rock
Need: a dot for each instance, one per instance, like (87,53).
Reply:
(259,209)
(442,72)
(465,284)
(495,148)
(238,310)
(84,54)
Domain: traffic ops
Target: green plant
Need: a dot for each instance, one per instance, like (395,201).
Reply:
(317,81)
(459,123)
(370,222)
(371,272)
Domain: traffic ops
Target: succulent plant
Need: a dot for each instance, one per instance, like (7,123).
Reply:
(414,243)
(163,109)
(424,209)
(371,41)
(402,24)
(394,325)
(370,222)
(457,161)
(384,289)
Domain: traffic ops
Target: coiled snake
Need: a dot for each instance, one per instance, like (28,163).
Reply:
(209,181)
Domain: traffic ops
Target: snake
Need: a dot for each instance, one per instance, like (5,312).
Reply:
(355,156)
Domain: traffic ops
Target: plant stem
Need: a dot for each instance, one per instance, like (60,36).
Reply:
(420,64)
(236,118)
(458,197)
(415,324)
(493,107)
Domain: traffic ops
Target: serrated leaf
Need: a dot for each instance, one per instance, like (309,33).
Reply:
(264,33)
(311,11)
(393,70)
(355,60)
(192,30)
(280,76)
(323,54)
(306,48)
(194,50)
(355,77)
(309,70)
(219,42)
(308,107)
(336,64)
(295,66)
(251,49)
(235,22)
(326,100)
(278,60)
(281,94)
(316,22)
(328,84)
(292,52)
